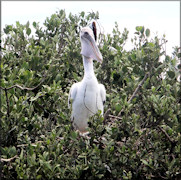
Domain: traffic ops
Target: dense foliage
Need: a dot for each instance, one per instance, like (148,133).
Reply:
(139,138)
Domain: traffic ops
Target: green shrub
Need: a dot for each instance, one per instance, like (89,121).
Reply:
(138,139)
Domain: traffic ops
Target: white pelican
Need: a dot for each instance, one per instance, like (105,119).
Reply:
(88,96)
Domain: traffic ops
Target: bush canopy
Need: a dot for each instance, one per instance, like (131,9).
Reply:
(139,136)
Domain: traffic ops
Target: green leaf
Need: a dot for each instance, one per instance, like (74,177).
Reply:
(73,134)
(34,24)
(179,66)
(147,32)
(137,33)
(39,94)
(39,176)
(27,25)
(21,154)
(15,30)
(139,28)
(142,30)
(151,45)
(28,31)
(118,107)
(171,74)
(48,141)
(15,98)
(47,165)
(167,59)
(17,23)
(82,13)
(179,55)
(100,176)
(12,151)
(7,29)
(125,69)
(144,162)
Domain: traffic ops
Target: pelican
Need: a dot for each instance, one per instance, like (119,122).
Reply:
(87,96)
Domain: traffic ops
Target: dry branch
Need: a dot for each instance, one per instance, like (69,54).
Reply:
(107,113)
(8,160)
(136,90)
(7,102)
(165,133)
(138,87)
(24,88)
(115,117)
(24,145)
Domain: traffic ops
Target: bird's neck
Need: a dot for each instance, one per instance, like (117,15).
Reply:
(88,67)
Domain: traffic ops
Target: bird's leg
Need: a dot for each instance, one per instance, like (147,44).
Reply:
(84,134)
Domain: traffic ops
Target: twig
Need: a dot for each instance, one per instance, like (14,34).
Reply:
(24,145)
(168,137)
(115,117)
(20,87)
(24,88)
(173,143)
(138,87)
(136,90)
(8,160)
(106,115)
(7,102)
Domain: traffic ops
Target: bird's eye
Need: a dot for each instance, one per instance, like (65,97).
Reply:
(86,33)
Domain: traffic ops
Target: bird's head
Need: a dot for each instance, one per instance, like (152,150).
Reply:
(88,37)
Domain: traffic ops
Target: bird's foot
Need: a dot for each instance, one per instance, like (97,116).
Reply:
(84,134)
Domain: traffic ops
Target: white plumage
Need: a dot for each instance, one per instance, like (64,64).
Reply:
(88,96)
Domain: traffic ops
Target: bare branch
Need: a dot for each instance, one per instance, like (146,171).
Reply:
(24,88)
(24,145)
(37,142)
(8,160)
(7,102)
(168,137)
(138,87)
(106,115)
(115,117)
(136,90)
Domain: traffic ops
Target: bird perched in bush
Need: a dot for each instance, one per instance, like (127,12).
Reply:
(88,96)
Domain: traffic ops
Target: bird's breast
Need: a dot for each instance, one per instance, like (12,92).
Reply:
(90,95)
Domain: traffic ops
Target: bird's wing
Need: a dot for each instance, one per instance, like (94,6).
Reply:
(102,93)
(72,93)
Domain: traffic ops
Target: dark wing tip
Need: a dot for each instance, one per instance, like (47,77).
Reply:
(94,30)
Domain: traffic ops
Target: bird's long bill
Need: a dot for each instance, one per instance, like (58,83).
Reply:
(90,49)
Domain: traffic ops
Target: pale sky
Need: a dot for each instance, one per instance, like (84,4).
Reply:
(161,17)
